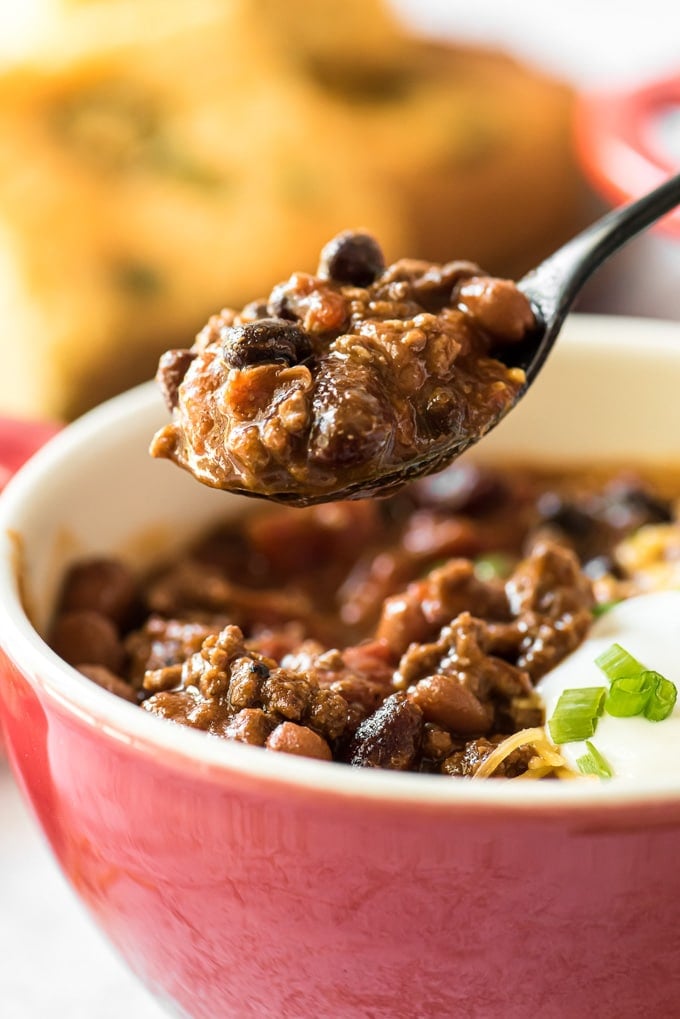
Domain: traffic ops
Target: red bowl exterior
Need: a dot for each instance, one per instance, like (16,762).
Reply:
(230,897)
(19,440)
(617,146)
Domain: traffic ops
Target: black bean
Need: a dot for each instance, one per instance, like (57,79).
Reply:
(172,368)
(463,488)
(266,341)
(354,258)
(259,669)
(564,515)
(441,408)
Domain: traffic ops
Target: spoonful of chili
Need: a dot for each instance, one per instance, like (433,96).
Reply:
(359,378)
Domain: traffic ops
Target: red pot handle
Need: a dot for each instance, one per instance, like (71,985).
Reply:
(622,145)
(19,440)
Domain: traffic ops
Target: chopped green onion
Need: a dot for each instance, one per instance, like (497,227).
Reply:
(593,763)
(628,696)
(634,689)
(576,713)
(603,607)
(662,699)
(616,663)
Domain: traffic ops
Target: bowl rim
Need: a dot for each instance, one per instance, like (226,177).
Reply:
(225,760)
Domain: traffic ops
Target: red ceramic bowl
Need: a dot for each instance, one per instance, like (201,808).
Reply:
(629,142)
(239,882)
(19,440)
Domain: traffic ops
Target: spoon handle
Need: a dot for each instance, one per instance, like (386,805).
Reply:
(553,285)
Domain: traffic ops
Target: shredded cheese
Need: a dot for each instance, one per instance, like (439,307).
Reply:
(547,760)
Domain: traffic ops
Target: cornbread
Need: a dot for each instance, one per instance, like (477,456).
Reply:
(149,177)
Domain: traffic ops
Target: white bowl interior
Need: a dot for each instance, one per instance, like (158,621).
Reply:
(607,395)
(97,490)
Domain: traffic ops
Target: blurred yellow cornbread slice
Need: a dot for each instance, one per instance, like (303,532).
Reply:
(159,161)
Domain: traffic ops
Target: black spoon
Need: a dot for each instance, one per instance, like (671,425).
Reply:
(555,284)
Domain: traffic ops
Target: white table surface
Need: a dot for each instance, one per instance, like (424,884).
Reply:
(54,964)
(53,961)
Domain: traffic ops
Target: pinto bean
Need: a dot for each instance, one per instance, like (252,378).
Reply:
(498,306)
(87,638)
(250,725)
(106,586)
(418,613)
(447,702)
(167,678)
(289,738)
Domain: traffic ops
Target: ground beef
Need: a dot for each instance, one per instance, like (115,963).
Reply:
(464,762)
(224,678)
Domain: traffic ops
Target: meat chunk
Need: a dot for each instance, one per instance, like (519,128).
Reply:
(553,601)
(390,737)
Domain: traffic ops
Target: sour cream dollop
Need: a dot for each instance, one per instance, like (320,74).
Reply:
(649,628)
